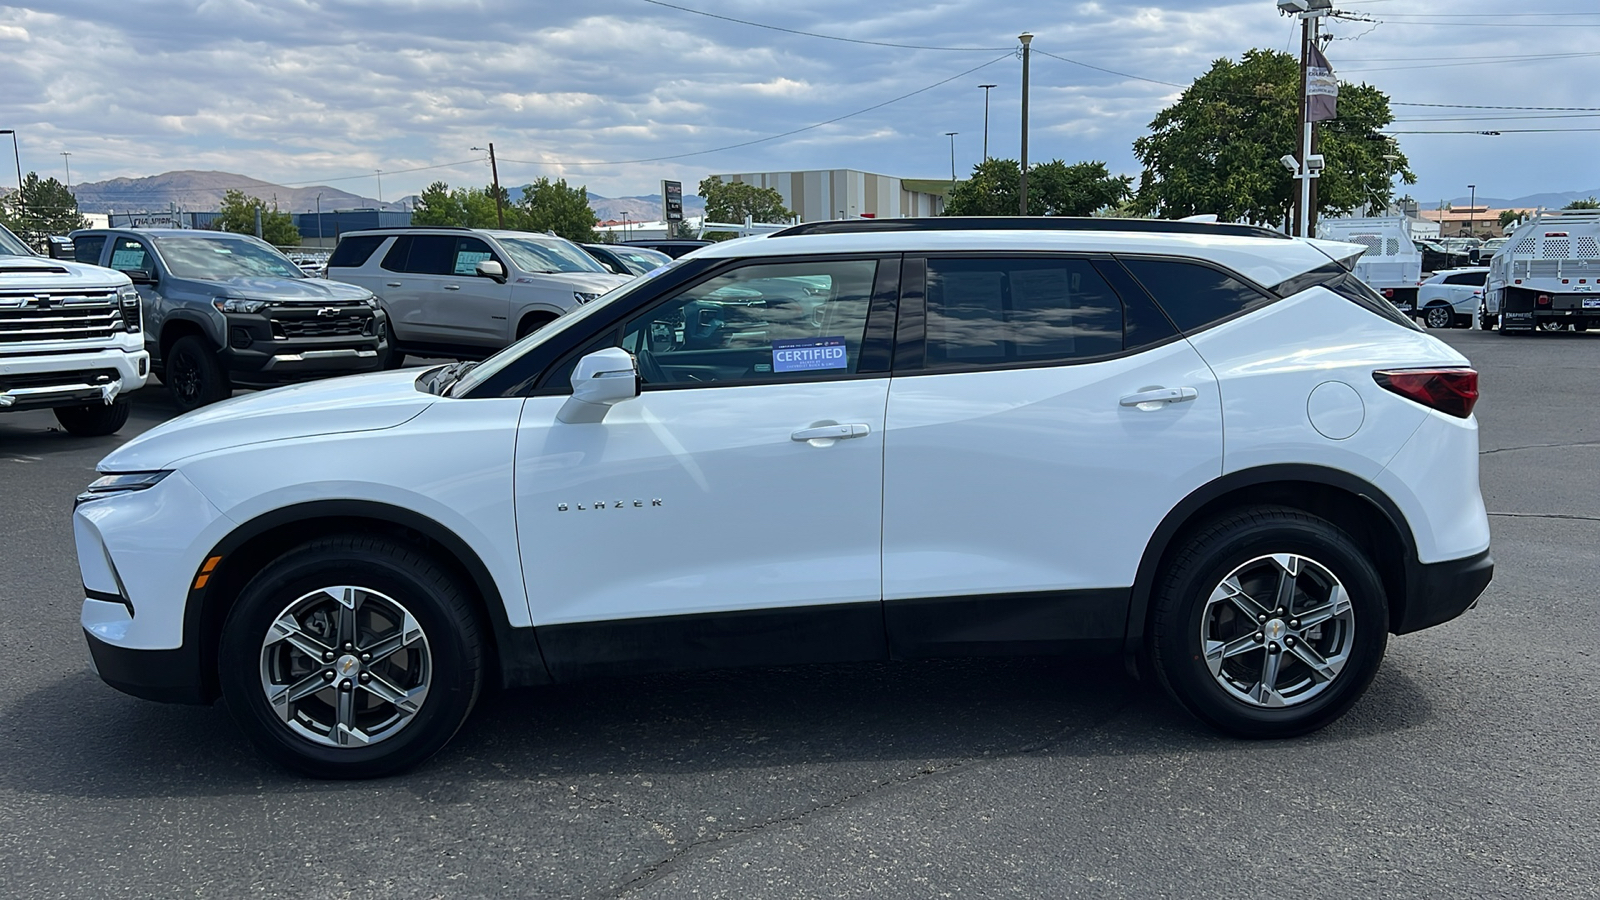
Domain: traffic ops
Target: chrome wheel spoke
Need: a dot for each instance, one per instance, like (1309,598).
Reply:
(405,702)
(1323,670)
(347,614)
(1266,692)
(1217,651)
(283,701)
(1338,604)
(1231,591)
(1289,571)
(410,632)
(287,629)
(346,732)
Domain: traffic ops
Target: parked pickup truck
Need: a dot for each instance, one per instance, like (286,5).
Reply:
(1547,276)
(69,339)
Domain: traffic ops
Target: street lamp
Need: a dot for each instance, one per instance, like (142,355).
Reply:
(986,88)
(66,157)
(1472,208)
(1022,181)
(319,218)
(952,136)
(380,187)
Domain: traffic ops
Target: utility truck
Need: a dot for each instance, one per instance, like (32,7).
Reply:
(1391,264)
(1547,276)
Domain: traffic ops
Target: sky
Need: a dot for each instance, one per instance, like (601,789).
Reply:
(325,92)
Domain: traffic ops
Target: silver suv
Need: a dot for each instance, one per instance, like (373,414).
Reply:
(465,292)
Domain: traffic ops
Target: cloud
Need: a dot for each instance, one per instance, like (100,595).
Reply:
(312,90)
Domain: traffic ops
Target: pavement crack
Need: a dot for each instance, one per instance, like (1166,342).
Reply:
(1539,447)
(1510,515)
(661,869)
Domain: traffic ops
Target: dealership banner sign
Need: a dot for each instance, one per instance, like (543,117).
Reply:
(1322,88)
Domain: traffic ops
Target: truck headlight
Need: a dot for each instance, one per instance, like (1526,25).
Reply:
(238,305)
(584,296)
(128,298)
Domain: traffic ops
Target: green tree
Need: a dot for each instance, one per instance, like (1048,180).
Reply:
(553,206)
(1216,149)
(238,215)
(1054,189)
(731,201)
(1507,216)
(41,208)
(1589,203)
(467,207)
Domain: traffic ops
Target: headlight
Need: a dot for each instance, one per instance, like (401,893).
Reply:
(238,305)
(128,298)
(371,301)
(584,296)
(121,483)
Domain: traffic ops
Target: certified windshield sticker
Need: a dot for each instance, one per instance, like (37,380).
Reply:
(809,354)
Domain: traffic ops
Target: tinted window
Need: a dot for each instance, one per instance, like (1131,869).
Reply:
(1475,279)
(128,255)
(395,259)
(431,254)
(773,322)
(1004,311)
(1194,295)
(355,251)
(86,248)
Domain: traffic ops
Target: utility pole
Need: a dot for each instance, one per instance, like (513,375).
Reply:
(380,187)
(986,88)
(1472,210)
(494,171)
(66,157)
(1022,181)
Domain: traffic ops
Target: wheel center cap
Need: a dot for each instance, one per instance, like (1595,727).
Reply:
(349,666)
(1275,630)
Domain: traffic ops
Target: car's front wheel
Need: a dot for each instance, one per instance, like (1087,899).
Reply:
(351,657)
(193,374)
(1439,317)
(1270,623)
(94,419)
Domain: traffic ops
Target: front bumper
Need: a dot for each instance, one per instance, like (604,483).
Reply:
(166,676)
(281,350)
(1438,592)
(71,379)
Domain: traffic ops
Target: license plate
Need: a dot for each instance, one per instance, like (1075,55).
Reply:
(1591,303)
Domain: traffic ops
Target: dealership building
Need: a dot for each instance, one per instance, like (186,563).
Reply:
(818,195)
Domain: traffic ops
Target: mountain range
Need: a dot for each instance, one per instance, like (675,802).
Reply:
(1550,200)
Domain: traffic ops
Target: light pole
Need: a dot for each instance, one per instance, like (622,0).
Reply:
(18,157)
(380,187)
(952,136)
(319,218)
(66,157)
(1472,209)
(986,88)
(1022,181)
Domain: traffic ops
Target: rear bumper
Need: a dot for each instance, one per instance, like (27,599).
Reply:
(167,676)
(1439,592)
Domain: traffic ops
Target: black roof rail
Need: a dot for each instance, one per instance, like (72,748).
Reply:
(415,228)
(1027,223)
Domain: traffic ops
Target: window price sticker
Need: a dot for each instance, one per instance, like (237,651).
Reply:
(809,354)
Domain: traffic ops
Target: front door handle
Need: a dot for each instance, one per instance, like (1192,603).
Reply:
(831,433)
(391,284)
(1160,395)
(452,287)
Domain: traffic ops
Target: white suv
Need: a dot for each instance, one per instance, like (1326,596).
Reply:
(1205,447)
(464,292)
(1450,298)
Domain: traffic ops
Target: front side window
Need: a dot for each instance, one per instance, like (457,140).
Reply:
(217,259)
(469,252)
(86,248)
(1194,295)
(1019,311)
(773,322)
(129,255)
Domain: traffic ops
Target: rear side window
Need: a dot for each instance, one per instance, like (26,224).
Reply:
(86,248)
(1008,311)
(1195,296)
(355,251)
(1474,279)
(431,254)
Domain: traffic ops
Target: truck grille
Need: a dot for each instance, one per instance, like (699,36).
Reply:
(33,316)
(50,379)
(319,327)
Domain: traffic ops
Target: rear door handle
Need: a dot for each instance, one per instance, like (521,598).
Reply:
(831,433)
(391,284)
(1161,395)
(452,287)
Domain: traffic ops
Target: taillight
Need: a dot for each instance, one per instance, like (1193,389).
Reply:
(1388,293)
(1544,300)
(1452,391)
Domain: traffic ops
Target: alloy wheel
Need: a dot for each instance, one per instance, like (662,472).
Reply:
(183,377)
(345,666)
(1277,630)
(1439,317)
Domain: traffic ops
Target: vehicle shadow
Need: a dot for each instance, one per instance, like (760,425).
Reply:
(79,738)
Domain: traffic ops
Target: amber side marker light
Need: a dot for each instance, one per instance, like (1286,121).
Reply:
(1452,391)
(205,572)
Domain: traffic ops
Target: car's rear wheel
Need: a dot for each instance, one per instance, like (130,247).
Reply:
(94,419)
(1270,623)
(351,657)
(193,374)
(1439,317)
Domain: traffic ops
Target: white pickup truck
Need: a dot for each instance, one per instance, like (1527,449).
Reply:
(1391,265)
(70,339)
(1547,276)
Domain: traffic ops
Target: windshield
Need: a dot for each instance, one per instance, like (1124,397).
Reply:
(220,258)
(534,255)
(11,245)
(641,260)
(506,357)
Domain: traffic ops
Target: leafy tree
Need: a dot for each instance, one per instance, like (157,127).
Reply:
(731,201)
(1589,203)
(239,216)
(1507,216)
(467,207)
(41,208)
(553,206)
(1216,149)
(1054,189)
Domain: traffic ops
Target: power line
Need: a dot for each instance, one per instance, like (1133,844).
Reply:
(773,137)
(826,37)
(1497,131)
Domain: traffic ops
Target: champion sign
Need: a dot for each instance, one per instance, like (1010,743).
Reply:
(808,354)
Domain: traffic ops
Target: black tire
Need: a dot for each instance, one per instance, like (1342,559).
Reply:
(393,359)
(1187,620)
(1439,317)
(95,419)
(194,376)
(379,574)
(533,322)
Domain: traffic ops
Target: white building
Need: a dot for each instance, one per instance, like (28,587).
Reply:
(822,194)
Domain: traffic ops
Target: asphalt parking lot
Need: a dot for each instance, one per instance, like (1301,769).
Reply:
(1469,770)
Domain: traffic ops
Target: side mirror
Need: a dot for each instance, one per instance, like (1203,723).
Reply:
(600,380)
(491,268)
(140,276)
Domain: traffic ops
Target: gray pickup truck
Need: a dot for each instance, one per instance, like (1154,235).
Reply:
(227,309)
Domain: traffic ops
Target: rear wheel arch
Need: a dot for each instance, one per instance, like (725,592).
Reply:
(513,653)
(1355,506)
